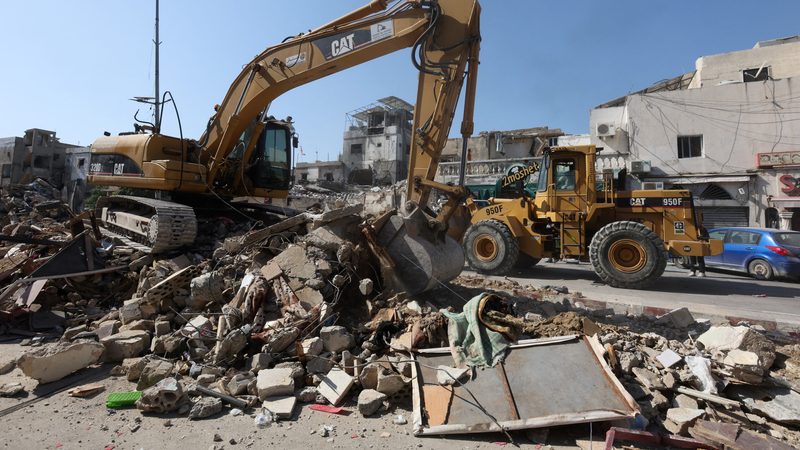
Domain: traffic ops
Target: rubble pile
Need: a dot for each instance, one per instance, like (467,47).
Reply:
(263,319)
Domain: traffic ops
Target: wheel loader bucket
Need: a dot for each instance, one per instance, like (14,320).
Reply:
(414,258)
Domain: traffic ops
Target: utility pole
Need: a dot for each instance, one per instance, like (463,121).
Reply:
(157,102)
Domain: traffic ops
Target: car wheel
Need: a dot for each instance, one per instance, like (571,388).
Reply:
(760,269)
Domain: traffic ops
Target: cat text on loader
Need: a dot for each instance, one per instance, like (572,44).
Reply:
(625,234)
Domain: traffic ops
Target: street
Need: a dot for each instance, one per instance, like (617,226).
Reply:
(719,294)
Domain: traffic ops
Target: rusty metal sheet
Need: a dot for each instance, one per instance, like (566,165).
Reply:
(542,383)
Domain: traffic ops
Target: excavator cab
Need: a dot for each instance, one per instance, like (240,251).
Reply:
(261,160)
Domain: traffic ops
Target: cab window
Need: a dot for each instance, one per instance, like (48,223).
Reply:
(564,174)
(542,184)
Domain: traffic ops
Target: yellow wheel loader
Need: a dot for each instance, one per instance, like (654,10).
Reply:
(626,235)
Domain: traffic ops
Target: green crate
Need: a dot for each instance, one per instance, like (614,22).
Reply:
(122,399)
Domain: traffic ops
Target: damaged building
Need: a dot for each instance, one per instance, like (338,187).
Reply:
(377,142)
(41,154)
(727,131)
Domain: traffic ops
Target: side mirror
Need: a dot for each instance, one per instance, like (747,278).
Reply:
(295,141)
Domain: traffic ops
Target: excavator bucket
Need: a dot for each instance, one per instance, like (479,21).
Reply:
(414,257)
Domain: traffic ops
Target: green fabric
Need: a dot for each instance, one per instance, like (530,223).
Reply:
(473,344)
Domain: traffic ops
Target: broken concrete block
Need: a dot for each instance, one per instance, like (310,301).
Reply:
(335,385)
(627,361)
(309,297)
(370,401)
(312,346)
(336,338)
(133,367)
(274,383)
(319,365)
(366,286)
(726,338)
(648,379)
(281,407)
(130,311)
(295,263)
(125,344)
(206,288)
(230,346)
(167,395)
(281,340)
(205,407)
(48,364)
(162,328)
(659,401)
(199,325)
(684,401)
(11,389)
(678,318)
(670,380)
(308,394)
(7,366)
(680,419)
(153,372)
(238,384)
(69,333)
(745,366)
(779,404)
(368,376)
(448,376)
(140,324)
(260,361)
(390,383)
(668,358)
(108,328)
(206,379)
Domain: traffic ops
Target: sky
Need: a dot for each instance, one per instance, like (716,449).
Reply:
(72,66)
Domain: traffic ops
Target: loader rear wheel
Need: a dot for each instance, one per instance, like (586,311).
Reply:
(490,248)
(627,255)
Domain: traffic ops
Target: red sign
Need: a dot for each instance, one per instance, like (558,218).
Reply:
(790,185)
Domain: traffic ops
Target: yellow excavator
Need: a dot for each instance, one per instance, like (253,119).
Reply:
(244,151)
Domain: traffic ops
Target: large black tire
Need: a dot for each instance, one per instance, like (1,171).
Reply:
(760,269)
(490,248)
(525,262)
(627,255)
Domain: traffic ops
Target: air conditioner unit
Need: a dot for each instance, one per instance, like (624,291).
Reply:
(606,129)
(651,185)
(640,166)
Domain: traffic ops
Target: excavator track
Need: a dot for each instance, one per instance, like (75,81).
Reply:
(158,224)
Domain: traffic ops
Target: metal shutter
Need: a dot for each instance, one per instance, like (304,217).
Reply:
(725,216)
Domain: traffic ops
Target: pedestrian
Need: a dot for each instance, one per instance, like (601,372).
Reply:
(697,263)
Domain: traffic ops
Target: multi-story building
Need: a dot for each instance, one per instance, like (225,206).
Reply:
(728,131)
(40,154)
(377,142)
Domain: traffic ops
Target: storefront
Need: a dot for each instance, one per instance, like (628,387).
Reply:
(781,172)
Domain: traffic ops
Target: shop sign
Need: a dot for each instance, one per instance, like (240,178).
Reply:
(767,160)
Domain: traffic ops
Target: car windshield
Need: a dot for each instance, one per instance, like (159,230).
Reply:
(792,239)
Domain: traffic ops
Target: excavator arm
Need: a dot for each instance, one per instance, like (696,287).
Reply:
(444,36)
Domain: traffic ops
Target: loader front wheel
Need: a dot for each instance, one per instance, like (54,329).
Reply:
(490,248)
(627,255)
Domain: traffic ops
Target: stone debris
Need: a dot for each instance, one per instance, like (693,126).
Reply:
(48,364)
(264,317)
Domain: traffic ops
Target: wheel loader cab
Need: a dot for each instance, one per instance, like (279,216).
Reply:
(566,182)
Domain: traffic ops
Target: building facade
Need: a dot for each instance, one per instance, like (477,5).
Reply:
(729,132)
(491,153)
(377,142)
(313,172)
(40,154)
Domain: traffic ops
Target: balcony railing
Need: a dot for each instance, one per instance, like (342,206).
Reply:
(485,171)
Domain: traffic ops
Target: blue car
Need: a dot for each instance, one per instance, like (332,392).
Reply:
(764,253)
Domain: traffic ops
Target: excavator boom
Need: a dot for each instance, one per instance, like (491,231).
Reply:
(228,158)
